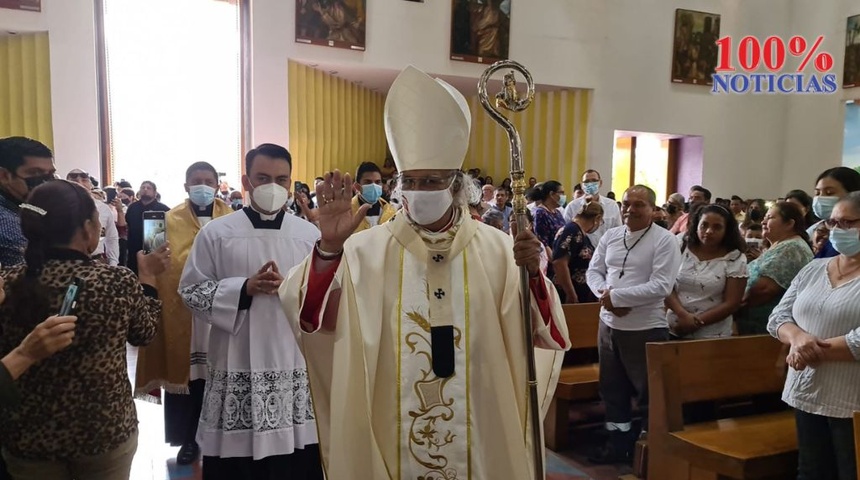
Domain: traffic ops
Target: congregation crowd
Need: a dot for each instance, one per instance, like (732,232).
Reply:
(211,305)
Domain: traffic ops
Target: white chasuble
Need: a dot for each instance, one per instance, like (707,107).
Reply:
(381,410)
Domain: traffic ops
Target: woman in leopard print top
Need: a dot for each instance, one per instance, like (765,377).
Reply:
(76,406)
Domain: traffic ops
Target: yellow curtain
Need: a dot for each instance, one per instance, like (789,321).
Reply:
(554,133)
(25,87)
(333,123)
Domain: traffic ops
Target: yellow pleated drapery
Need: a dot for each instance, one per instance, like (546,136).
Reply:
(554,133)
(334,123)
(25,87)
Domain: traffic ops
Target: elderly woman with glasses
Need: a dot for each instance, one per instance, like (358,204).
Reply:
(817,318)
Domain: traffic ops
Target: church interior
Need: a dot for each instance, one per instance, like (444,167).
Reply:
(733,124)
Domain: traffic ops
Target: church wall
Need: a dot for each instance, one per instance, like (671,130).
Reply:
(333,124)
(620,48)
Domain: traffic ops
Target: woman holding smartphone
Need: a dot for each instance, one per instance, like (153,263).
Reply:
(76,414)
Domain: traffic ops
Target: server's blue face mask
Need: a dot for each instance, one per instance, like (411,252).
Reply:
(371,192)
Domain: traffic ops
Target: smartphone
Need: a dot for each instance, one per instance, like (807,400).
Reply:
(111,195)
(70,300)
(754,242)
(154,232)
(297,186)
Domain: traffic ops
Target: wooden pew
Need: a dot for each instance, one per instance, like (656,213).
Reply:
(577,382)
(756,446)
(857,440)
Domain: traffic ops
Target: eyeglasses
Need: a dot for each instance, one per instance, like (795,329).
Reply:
(843,224)
(83,175)
(426,183)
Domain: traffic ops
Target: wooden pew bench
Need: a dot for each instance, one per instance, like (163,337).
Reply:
(577,381)
(857,440)
(755,446)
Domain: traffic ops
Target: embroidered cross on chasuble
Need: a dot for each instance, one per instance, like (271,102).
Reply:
(434,349)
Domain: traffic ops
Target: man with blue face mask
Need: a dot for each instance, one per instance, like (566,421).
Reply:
(591,184)
(368,189)
(165,362)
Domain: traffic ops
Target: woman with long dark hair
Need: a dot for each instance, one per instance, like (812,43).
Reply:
(712,277)
(76,414)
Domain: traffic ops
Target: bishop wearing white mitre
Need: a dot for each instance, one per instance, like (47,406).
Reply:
(412,329)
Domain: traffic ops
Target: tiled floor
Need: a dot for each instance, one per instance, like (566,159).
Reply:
(155,460)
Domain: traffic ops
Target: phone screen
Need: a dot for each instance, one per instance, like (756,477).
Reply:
(70,300)
(296,187)
(754,242)
(154,232)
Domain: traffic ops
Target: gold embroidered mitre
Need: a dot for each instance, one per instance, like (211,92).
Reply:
(427,123)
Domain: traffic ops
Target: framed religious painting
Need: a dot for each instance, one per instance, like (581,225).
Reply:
(480,30)
(851,71)
(332,23)
(694,53)
(28,5)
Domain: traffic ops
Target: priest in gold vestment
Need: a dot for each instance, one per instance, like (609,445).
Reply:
(412,330)
(175,360)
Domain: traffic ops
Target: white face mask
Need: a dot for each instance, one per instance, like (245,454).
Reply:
(425,207)
(270,197)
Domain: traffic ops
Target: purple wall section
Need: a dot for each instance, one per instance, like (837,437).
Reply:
(690,164)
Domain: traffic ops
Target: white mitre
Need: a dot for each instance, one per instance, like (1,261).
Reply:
(427,123)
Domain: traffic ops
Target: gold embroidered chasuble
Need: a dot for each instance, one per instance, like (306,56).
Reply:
(381,411)
(165,362)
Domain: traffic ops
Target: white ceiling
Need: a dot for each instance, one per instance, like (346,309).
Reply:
(380,80)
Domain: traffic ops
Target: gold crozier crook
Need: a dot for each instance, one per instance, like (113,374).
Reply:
(509,99)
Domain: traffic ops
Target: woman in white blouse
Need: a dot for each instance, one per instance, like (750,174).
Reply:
(818,318)
(712,277)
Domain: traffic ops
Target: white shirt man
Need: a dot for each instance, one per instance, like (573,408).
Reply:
(591,184)
(632,271)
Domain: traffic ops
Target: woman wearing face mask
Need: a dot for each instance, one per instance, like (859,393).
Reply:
(818,319)
(77,416)
(832,185)
(571,253)
(712,277)
(549,218)
(164,363)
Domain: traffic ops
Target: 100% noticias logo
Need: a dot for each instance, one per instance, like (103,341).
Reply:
(772,54)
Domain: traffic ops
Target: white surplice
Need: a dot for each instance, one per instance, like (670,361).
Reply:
(257,401)
(382,411)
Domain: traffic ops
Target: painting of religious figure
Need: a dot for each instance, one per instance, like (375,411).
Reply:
(694,56)
(28,5)
(851,72)
(332,23)
(480,30)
